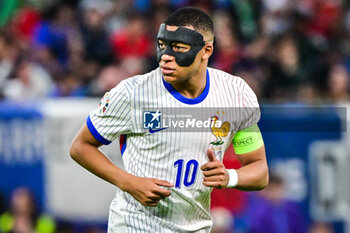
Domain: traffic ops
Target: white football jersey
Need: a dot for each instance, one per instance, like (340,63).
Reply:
(144,111)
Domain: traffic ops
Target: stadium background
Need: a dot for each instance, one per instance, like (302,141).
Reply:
(57,58)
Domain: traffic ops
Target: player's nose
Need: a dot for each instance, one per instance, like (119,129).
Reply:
(166,58)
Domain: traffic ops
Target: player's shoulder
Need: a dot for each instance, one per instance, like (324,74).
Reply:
(131,84)
(227,79)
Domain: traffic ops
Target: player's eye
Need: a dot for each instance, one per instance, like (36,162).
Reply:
(161,45)
(181,48)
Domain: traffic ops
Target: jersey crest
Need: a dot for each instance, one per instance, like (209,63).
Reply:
(220,132)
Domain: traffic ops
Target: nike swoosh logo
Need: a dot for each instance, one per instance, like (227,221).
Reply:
(156,130)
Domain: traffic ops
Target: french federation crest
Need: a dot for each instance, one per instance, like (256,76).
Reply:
(104,103)
(220,132)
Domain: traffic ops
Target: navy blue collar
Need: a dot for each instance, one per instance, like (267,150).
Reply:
(184,99)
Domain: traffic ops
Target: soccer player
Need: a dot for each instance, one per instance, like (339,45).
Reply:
(169,173)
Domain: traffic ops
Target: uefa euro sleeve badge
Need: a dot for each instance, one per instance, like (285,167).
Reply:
(104,103)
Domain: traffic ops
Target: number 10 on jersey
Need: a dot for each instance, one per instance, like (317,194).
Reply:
(186,173)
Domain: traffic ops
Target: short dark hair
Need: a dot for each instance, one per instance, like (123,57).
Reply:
(190,16)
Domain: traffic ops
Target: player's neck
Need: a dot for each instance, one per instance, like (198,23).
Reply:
(194,86)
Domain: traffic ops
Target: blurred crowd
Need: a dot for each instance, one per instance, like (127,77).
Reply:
(266,211)
(287,50)
(22,215)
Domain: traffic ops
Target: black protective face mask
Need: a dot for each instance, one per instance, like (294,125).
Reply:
(182,35)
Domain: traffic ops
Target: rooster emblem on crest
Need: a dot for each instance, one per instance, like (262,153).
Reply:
(219,132)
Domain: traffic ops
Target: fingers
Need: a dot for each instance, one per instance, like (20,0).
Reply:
(211,155)
(162,183)
(211,165)
(215,181)
(213,184)
(158,192)
(213,178)
(214,172)
(151,203)
(217,178)
(149,191)
(153,198)
(163,193)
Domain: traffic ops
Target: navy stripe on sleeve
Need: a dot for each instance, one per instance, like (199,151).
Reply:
(95,133)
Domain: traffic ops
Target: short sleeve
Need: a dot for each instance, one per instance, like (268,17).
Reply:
(250,108)
(113,116)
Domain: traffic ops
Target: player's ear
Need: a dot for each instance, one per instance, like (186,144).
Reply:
(208,50)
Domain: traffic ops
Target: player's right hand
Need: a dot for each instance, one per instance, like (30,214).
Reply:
(148,191)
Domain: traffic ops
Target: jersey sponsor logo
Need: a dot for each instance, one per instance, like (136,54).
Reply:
(152,120)
(104,103)
(220,132)
(157,130)
(243,142)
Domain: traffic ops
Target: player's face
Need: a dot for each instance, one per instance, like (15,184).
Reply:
(168,65)
(172,72)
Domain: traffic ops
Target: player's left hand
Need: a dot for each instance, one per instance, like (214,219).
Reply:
(214,171)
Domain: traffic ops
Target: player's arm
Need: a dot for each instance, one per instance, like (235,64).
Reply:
(84,150)
(249,147)
(253,175)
